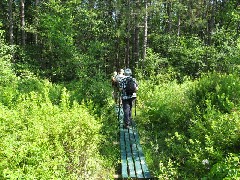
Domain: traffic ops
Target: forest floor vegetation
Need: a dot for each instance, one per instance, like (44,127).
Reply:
(190,130)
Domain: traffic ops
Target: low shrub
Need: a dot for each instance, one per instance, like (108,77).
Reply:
(191,129)
(43,138)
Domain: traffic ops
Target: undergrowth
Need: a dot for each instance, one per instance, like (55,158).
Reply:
(48,132)
(191,130)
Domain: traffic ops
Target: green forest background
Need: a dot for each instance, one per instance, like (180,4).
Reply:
(57,118)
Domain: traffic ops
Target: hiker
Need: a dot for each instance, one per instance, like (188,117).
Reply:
(115,87)
(128,88)
(120,75)
(118,79)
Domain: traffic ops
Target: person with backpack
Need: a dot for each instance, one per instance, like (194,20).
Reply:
(128,88)
(115,87)
(116,79)
(119,78)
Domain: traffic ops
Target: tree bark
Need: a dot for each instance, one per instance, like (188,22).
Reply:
(36,18)
(10,14)
(23,22)
(212,20)
(136,47)
(145,32)
(169,13)
(127,50)
(136,36)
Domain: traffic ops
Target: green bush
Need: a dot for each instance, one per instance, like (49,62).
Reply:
(95,89)
(221,90)
(8,79)
(40,139)
(228,168)
(191,128)
(165,104)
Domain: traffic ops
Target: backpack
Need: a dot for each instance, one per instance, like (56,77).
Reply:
(131,86)
(114,83)
(118,79)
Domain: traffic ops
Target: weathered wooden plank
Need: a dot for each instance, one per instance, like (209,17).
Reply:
(143,162)
(129,156)
(122,139)
(124,170)
(128,147)
(141,156)
(138,166)
(124,165)
(130,165)
(137,162)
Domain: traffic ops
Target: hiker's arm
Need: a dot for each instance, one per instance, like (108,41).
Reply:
(114,78)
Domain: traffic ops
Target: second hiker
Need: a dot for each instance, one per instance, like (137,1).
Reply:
(116,79)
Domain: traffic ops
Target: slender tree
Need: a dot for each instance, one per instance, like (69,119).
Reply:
(169,15)
(10,14)
(145,30)
(127,49)
(36,21)
(136,35)
(22,14)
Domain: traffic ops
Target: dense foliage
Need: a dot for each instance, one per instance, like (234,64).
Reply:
(56,112)
(191,130)
(46,134)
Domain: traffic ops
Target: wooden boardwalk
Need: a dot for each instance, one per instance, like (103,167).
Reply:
(133,164)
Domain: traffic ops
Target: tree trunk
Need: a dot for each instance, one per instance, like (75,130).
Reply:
(127,50)
(23,23)
(136,36)
(145,33)
(179,25)
(212,20)
(169,13)
(136,47)
(36,19)
(10,13)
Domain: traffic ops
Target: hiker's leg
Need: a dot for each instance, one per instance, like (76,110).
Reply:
(126,109)
(130,110)
(131,103)
(116,97)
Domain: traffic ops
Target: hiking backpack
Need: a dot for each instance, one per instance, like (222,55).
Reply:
(131,86)
(114,83)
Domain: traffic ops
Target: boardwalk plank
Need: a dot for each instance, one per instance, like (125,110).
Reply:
(124,165)
(129,156)
(132,157)
(135,153)
(137,162)
(141,156)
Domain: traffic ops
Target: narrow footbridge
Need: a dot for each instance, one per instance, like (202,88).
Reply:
(133,164)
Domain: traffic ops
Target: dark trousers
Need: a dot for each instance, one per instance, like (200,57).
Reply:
(127,109)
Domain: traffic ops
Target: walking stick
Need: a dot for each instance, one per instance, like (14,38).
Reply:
(135,106)
(119,94)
